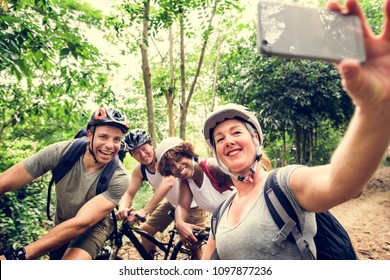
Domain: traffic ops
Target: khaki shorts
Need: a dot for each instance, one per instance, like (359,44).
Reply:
(160,218)
(91,241)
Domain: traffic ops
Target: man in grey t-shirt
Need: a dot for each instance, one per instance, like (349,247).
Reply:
(82,222)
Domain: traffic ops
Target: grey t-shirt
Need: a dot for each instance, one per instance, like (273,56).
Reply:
(78,186)
(252,237)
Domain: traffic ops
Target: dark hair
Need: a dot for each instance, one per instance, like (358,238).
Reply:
(184,149)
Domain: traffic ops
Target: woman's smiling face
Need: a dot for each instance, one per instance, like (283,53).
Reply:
(182,167)
(234,145)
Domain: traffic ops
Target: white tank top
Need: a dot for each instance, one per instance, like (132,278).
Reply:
(207,197)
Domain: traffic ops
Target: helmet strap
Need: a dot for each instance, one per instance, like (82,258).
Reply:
(243,178)
(90,146)
(251,175)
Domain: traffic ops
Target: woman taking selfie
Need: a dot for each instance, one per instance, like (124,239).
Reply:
(246,228)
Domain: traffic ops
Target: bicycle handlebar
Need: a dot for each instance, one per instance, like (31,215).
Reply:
(201,234)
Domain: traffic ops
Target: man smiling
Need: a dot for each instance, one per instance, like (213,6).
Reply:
(82,222)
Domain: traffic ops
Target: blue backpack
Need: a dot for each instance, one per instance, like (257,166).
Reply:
(332,241)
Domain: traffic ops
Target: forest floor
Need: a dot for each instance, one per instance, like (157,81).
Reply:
(366,219)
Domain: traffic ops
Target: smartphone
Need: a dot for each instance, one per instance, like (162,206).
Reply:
(301,32)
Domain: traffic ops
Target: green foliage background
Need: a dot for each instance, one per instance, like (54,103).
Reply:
(49,73)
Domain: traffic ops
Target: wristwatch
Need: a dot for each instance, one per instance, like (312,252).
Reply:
(17,254)
(20,253)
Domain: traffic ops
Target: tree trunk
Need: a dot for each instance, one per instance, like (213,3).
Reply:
(182,76)
(147,74)
(171,91)
(219,42)
(186,101)
(298,140)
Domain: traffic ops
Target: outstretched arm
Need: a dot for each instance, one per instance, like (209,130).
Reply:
(363,146)
(14,178)
(92,212)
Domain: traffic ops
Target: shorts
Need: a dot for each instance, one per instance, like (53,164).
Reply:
(91,241)
(160,218)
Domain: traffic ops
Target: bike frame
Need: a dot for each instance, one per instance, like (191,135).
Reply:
(165,247)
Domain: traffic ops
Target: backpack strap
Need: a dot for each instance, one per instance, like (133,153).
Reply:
(102,186)
(143,171)
(215,218)
(48,199)
(66,163)
(106,176)
(284,216)
(217,185)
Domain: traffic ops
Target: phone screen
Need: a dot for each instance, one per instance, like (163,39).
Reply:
(294,31)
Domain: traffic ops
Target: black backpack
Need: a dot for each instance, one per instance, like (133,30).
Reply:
(73,154)
(332,241)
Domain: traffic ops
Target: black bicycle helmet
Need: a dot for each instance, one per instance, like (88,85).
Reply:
(136,138)
(112,117)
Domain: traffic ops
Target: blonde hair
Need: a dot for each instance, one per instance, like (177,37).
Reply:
(265,162)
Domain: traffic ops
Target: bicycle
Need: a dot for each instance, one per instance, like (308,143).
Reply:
(173,249)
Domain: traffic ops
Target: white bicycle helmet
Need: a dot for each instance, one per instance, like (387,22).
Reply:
(239,112)
(166,145)
(227,112)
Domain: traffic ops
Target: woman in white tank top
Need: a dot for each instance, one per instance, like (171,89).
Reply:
(201,180)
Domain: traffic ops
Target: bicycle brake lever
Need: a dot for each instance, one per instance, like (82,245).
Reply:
(142,219)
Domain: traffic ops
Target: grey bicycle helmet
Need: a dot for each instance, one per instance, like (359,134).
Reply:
(111,117)
(166,145)
(226,112)
(136,138)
